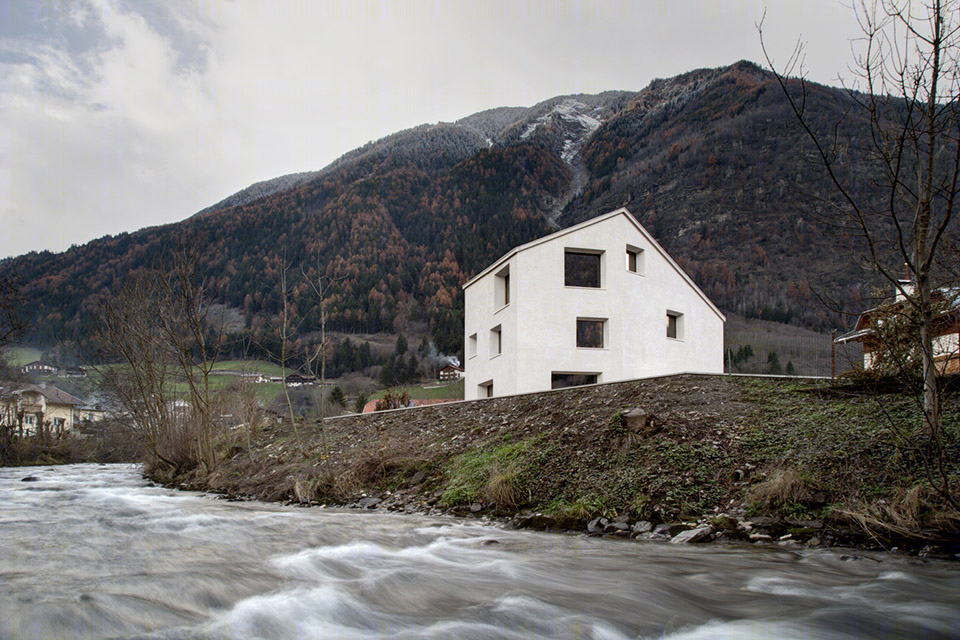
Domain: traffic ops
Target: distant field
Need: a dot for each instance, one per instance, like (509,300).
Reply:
(19,356)
(452,391)
(808,350)
(249,366)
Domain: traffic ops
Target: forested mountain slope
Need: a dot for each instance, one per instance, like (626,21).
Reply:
(711,162)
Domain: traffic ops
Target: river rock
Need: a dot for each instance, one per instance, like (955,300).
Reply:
(369,502)
(29,479)
(700,534)
(616,528)
(596,525)
(642,526)
(476,507)
(541,522)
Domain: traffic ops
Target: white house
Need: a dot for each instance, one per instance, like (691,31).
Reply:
(597,302)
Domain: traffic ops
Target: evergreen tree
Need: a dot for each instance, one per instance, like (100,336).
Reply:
(411,375)
(366,359)
(360,403)
(773,363)
(401,347)
(387,374)
(337,398)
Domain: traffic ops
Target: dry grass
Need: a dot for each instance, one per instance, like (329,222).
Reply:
(501,488)
(305,489)
(783,486)
(911,513)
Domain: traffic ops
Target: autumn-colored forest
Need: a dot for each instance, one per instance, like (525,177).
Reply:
(710,162)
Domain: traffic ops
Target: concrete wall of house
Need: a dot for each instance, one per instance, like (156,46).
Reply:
(539,325)
(484,311)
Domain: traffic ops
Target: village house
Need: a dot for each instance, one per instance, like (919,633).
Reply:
(596,302)
(28,406)
(38,366)
(450,373)
(946,338)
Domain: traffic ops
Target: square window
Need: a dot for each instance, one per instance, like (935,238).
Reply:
(674,325)
(485,389)
(581,269)
(590,333)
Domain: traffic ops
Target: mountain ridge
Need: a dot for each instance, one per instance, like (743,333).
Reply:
(708,161)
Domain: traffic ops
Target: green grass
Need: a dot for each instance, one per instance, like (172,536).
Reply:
(19,356)
(471,470)
(250,366)
(449,391)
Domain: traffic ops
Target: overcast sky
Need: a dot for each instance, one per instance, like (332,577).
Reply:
(119,115)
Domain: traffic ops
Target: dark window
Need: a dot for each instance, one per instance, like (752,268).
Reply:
(564,380)
(631,260)
(581,269)
(674,325)
(501,287)
(590,333)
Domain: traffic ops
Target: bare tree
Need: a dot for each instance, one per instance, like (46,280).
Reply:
(139,369)
(320,284)
(154,333)
(908,89)
(184,322)
(12,324)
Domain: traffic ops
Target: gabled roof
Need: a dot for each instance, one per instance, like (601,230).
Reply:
(51,393)
(864,328)
(622,211)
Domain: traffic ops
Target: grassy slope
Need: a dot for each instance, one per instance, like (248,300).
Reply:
(431,392)
(710,442)
(19,356)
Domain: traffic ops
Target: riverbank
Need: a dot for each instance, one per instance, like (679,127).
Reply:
(764,459)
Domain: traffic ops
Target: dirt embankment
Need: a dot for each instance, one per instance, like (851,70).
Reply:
(735,457)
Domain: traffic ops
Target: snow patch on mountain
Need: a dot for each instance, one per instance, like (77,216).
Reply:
(574,116)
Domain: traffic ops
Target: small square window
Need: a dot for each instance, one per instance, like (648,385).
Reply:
(674,325)
(581,269)
(485,389)
(590,333)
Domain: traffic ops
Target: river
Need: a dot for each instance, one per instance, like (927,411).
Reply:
(95,551)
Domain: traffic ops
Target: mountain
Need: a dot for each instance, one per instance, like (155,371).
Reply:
(711,162)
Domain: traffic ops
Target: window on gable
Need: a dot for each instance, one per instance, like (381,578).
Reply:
(675,325)
(501,288)
(582,268)
(634,259)
(590,333)
(496,341)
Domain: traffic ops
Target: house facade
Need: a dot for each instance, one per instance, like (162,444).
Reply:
(450,373)
(29,406)
(946,330)
(597,302)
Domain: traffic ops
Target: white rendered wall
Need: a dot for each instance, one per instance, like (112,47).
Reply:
(539,324)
